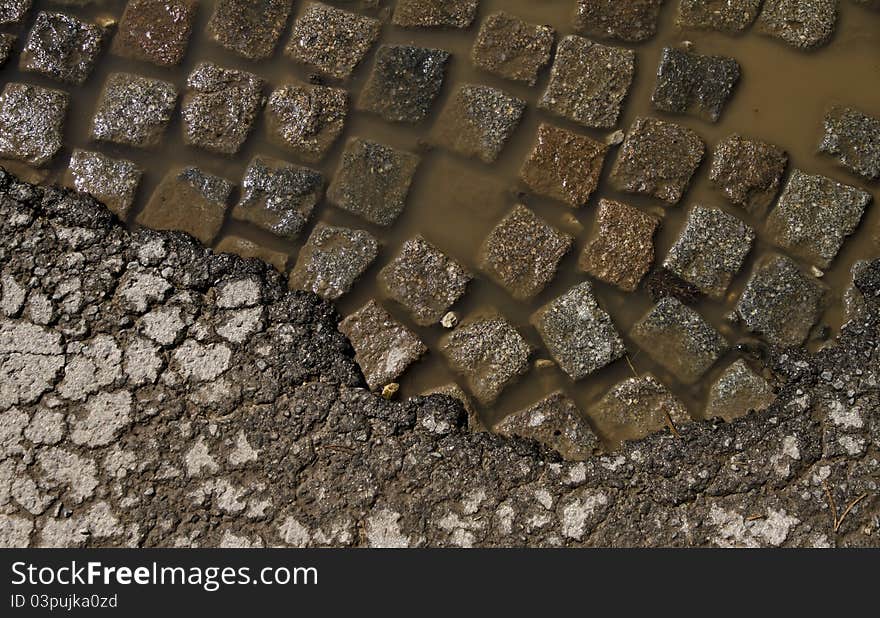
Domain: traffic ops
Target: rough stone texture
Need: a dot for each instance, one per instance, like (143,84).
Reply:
(373,181)
(679,339)
(738,391)
(632,21)
(247,249)
(556,422)
(638,407)
(578,333)
(133,110)
(220,107)
(710,250)
(731,16)
(306,119)
(781,303)
(435,13)
(748,172)
(31,122)
(804,24)
(404,83)
(155,31)
(621,248)
(13,11)
(62,48)
(247,28)
(279,197)
(691,83)
(815,215)
(564,165)
(853,138)
(478,120)
(332,259)
(6,43)
(512,48)
(114,182)
(589,82)
(424,280)
(657,158)
(384,348)
(454,391)
(287,420)
(522,253)
(331,40)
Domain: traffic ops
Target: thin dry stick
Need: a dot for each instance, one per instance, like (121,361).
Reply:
(671,425)
(631,367)
(851,506)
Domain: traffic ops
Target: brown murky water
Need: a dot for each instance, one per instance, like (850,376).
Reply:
(455,202)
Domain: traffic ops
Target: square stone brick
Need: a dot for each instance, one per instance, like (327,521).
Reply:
(638,407)
(384,348)
(247,28)
(404,83)
(853,138)
(307,120)
(578,333)
(133,110)
(731,16)
(424,280)
(332,259)
(710,251)
(815,215)
(112,181)
(478,121)
(435,13)
(679,339)
(555,422)
(748,172)
(657,158)
(738,391)
(632,21)
(804,24)
(13,11)
(331,40)
(188,200)
(248,249)
(564,165)
(62,48)
(155,31)
(781,303)
(589,82)
(31,122)
(512,48)
(279,197)
(489,353)
(523,253)
(691,83)
(373,181)
(621,248)
(6,43)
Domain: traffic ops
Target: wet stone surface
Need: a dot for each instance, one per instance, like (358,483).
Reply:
(32,122)
(489,353)
(188,200)
(220,107)
(578,333)
(248,249)
(815,215)
(781,303)
(306,120)
(6,43)
(633,21)
(639,406)
(279,197)
(373,181)
(589,82)
(512,48)
(731,16)
(424,280)
(800,23)
(155,31)
(556,422)
(435,13)
(133,110)
(249,29)
(332,259)
(748,172)
(658,159)
(621,249)
(679,339)
(853,138)
(522,253)
(13,11)
(691,83)
(62,48)
(478,121)
(383,347)
(331,40)
(112,181)
(738,391)
(404,83)
(564,165)
(710,251)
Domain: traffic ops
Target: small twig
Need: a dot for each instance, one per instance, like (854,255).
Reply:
(631,367)
(755,517)
(671,426)
(850,507)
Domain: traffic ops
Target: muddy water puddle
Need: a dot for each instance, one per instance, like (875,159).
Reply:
(455,202)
